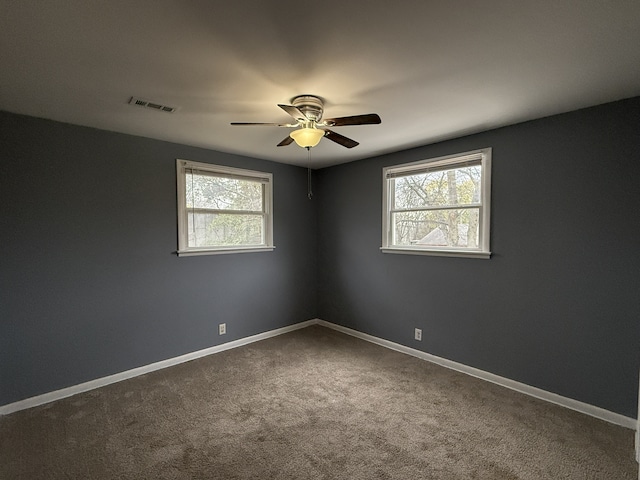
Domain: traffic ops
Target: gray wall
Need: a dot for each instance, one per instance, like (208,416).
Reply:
(89,281)
(558,304)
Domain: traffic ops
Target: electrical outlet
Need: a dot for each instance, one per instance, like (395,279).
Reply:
(418,334)
(222,329)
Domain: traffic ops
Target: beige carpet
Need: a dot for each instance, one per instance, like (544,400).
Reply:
(311,404)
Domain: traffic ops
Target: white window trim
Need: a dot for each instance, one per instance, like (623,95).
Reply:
(483,250)
(183,248)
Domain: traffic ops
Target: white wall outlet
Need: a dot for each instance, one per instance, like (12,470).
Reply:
(222,329)
(418,334)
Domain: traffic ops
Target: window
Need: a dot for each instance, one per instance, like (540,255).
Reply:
(223,209)
(439,206)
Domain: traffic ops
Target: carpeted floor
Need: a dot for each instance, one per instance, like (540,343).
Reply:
(311,404)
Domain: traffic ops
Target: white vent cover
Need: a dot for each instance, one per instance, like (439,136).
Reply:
(153,105)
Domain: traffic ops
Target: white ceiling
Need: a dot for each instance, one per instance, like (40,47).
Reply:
(432,69)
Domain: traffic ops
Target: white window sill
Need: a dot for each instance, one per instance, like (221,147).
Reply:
(437,253)
(222,251)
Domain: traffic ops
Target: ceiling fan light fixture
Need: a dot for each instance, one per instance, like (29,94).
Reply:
(307,112)
(307,137)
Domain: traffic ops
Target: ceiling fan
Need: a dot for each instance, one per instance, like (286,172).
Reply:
(307,112)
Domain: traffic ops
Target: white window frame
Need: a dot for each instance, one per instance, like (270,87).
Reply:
(182,167)
(390,173)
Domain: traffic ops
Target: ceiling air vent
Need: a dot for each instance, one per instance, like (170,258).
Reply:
(153,105)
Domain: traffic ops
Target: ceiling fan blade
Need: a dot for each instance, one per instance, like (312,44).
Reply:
(340,139)
(366,119)
(295,112)
(287,141)
(264,124)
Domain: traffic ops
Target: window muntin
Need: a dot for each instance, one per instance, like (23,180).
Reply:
(223,209)
(439,206)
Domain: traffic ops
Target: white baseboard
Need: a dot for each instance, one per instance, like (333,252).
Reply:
(576,405)
(585,408)
(101,382)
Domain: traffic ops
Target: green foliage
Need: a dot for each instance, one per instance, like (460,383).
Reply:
(224,211)
(424,207)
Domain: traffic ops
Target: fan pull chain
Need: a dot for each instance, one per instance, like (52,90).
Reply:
(309,191)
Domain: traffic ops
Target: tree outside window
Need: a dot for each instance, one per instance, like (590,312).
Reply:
(439,205)
(223,209)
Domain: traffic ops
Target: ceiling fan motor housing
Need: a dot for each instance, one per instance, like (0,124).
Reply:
(310,105)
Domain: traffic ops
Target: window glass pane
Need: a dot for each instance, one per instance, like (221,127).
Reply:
(212,229)
(205,191)
(450,187)
(437,228)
